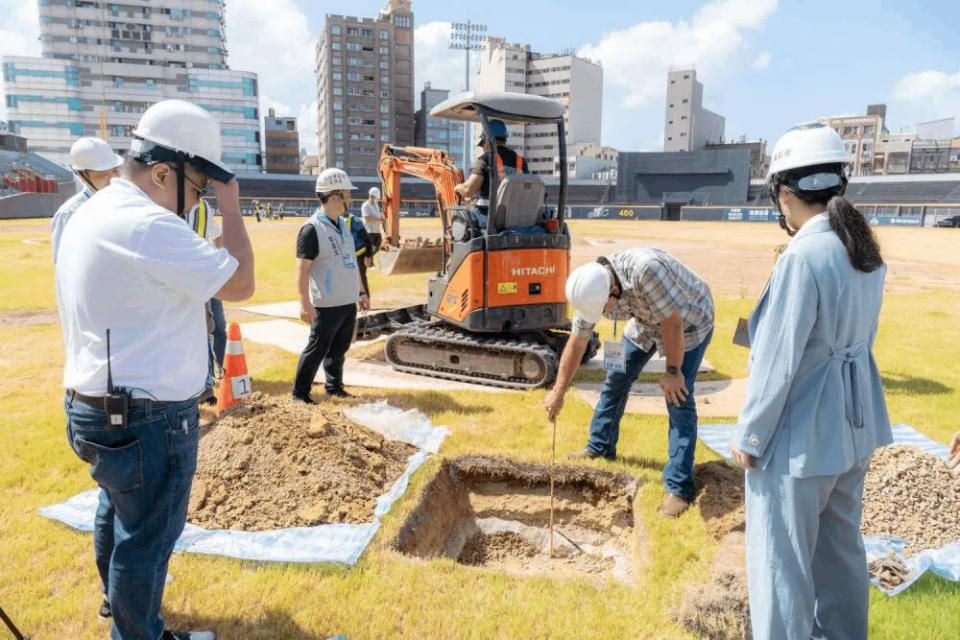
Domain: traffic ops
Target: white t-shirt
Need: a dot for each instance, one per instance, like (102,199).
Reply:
(134,267)
(62,216)
(371,215)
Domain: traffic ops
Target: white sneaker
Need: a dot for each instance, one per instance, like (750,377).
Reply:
(188,635)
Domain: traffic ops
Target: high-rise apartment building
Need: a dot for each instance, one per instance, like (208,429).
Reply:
(281,144)
(364,87)
(437,133)
(103,63)
(687,125)
(576,82)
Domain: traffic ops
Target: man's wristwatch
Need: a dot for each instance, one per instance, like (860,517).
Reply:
(673,371)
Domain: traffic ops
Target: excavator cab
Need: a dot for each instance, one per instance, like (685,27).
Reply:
(496,303)
(507,277)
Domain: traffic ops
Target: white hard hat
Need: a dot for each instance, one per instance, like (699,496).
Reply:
(177,125)
(93,154)
(588,288)
(333,179)
(806,145)
(375,192)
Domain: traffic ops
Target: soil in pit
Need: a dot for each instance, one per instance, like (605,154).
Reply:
(494,513)
(270,462)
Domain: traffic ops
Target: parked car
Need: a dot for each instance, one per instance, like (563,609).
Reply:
(952,221)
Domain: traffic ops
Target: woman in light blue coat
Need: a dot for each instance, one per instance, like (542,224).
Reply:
(814,409)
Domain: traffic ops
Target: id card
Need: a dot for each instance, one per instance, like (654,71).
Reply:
(741,336)
(614,356)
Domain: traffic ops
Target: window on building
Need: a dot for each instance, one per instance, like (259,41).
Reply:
(335,29)
(685,101)
(337,75)
(384,94)
(353,46)
(338,106)
(337,91)
(686,76)
(338,120)
(150,83)
(385,107)
(384,34)
(384,137)
(117,81)
(338,135)
(353,31)
(384,79)
(335,46)
(384,51)
(339,150)
(384,123)
(367,33)
(868,131)
(384,64)
(339,164)
(671,105)
(336,61)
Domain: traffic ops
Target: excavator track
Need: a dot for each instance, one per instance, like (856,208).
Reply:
(433,349)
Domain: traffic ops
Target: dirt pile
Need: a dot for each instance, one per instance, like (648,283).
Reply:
(718,609)
(271,463)
(913,496)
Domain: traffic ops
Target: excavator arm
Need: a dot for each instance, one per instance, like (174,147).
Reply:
(432,165)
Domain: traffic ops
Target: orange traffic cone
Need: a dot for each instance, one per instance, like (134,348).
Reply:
(235,384)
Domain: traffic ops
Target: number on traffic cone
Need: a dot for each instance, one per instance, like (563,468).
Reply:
(235,385)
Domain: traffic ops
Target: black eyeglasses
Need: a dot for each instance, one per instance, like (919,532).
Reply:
(200,190)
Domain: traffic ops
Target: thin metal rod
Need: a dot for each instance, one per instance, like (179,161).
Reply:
(13,628)
(553,459)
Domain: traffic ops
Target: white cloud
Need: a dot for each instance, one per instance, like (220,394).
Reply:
(20,33)
(926,95)
(274,40)
(637,58)
(307,123)
(436,63)
(762,61)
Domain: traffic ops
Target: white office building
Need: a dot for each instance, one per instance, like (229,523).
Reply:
(576,82)
(103,64)
(687,125)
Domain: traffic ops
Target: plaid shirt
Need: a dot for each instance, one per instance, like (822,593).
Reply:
(655,286)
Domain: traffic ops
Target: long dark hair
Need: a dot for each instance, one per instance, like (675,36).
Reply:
(845,219)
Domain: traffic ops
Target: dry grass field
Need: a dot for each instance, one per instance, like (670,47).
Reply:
(48,581)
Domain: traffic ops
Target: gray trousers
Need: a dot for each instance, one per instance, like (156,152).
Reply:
(806,565)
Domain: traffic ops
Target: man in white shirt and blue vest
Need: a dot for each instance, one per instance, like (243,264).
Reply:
(132,280)
(328,280)
(94,164)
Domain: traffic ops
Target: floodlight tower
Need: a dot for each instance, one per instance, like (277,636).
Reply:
(468,36)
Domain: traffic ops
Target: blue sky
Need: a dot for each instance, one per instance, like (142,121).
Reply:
(765,64)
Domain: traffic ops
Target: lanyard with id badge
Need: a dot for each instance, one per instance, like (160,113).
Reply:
(614,355)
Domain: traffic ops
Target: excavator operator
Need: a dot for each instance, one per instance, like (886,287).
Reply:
(507,160)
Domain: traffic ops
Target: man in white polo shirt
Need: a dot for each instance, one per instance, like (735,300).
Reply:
(132,279)
(94,163)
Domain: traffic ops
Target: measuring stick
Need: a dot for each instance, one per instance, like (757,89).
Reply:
(553,459)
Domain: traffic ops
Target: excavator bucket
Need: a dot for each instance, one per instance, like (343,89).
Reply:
(414,256)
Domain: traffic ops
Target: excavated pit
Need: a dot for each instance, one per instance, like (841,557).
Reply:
(495,513)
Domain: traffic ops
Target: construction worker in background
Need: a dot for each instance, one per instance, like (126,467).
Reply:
(132,279)
(668,308)
(507,161)
(280,212)
(328,281)
(269,211)
(94,164)
(364,248)
(814,410)
(200,218)
(373,221)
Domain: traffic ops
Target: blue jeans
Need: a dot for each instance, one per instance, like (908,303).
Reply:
(605,425)
(144,471)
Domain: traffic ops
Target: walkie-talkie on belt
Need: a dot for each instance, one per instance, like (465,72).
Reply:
(116,404)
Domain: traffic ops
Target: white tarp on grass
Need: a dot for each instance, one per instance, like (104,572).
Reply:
(945,561)
(339,543)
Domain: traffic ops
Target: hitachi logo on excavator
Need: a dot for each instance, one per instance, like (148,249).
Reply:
(533,271)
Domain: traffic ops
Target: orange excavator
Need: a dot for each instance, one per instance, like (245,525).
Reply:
(415,255)
(496,312)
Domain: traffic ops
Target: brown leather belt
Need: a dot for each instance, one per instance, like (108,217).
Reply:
(97,401)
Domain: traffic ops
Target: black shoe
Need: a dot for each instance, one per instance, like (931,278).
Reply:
(587,454)
(105,611)
(188,635)
(208,397)
(340,393)
(305,399)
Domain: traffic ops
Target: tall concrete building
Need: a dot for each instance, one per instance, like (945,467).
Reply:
(102,64)
(437,133)
(364,87)
(576,82)
(687,125)
(281,144)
